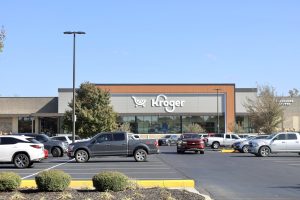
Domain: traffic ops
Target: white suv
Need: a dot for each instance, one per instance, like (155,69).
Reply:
(22,151)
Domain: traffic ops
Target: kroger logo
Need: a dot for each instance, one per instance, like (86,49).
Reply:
(160,101)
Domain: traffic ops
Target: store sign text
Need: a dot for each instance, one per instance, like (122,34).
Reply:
(160,101)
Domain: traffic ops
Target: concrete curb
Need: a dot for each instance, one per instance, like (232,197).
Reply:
(142,183)
(227,150)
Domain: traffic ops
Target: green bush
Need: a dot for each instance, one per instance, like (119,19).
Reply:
(52,180)
(9,181)
(109,180)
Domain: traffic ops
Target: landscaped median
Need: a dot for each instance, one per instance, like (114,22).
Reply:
(107,185)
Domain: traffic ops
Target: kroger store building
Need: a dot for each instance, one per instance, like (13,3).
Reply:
(149,108)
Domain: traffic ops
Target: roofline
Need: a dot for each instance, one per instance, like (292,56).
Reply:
(245,89)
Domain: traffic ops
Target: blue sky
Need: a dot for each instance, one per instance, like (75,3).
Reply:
(171,41)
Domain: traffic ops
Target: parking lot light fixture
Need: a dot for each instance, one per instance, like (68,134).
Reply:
(74,33)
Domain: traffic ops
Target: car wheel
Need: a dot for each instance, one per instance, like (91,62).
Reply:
(201,152)
(264,151)
(81,156)
(21,160)
(215,145)
(196,152)
(140,155)
(245,149)
(56,152)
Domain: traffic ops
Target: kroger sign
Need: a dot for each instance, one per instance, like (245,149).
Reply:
(160,101)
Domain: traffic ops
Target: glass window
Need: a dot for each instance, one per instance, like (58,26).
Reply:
(234,137)
(42,138)
(10,140)
(119,136)
(25,125)
(104,137)
(281,137)
(227,136)
(291,136)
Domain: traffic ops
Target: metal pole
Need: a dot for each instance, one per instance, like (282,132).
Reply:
(218,111)
(74,116)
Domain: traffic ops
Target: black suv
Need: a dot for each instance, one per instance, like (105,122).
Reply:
(55,147)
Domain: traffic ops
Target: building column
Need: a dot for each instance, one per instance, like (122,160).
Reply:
(36,124)
(15,123)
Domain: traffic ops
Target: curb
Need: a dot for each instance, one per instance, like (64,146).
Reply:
(227,150)
(142,183)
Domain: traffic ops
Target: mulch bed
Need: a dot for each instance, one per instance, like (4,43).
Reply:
(137,194)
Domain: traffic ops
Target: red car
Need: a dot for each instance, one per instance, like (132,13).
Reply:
(190,142)
(46,153)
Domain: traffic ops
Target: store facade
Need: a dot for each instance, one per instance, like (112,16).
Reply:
(170,108)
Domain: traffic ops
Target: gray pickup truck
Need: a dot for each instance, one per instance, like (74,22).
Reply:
(113,144)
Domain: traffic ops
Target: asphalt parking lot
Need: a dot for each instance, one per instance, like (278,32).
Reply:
(154,169)
(224,176)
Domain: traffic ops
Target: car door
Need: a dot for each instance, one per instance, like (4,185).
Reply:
(292,142)
(102,145)
(228,140)
(8,147)
(119,144)
(278,143)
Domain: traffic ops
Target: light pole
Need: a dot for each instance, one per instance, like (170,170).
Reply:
(218,122)
(73,115)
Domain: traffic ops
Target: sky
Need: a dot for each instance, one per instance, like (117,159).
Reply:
(248,43)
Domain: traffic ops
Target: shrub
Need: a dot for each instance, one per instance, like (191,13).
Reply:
(9,181)
(52,180)
(109,180)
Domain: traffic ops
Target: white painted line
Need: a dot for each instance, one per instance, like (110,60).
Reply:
(114,168)
(46,169)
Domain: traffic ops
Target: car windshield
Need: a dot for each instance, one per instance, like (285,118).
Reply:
(190,136)
(271,136)
(167,136)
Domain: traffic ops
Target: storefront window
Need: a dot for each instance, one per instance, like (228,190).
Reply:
(48,125)
(25,125)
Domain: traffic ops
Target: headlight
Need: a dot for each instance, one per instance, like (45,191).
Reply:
(179,141)
(184,142)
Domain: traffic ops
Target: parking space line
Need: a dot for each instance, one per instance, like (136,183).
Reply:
(46,169)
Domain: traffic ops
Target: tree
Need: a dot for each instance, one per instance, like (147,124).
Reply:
(193,128)
(2,38)
(265,111)
(93,111)
(294,92)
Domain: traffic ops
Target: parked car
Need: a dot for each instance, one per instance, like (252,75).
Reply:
(190,142)
(22,151)
(283,142)
(56,147)
(222,140)
(168,140)
(243,146)
(113,144)
(66,138)
(46,153)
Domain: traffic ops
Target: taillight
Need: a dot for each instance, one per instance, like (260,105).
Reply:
(36,146)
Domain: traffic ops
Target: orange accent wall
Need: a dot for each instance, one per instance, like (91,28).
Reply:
(228,89)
